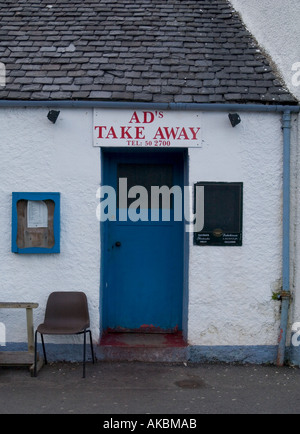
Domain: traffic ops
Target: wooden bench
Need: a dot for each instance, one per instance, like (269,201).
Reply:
(22,358)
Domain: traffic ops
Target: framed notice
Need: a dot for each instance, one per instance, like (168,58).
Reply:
(36,222)
(223,215)
(37,214)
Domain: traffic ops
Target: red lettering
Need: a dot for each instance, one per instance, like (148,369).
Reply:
(125,133)
(139,133)
(100,135)
(194,133)
(135,119)
(148,117)
(183,135)
(159,134)
(171,133)
(111,134)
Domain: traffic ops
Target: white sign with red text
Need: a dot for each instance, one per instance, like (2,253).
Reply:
(147,128)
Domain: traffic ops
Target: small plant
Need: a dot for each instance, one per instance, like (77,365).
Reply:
(276,296)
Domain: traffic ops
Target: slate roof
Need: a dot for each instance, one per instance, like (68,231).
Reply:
(133,50)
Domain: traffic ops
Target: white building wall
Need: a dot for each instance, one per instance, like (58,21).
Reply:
(294,316)
(230,289)
(39,156)
(275,25)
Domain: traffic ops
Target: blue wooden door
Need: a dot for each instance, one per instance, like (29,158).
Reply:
(143,277)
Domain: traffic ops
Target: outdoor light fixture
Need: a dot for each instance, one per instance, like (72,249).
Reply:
(234,119)
(53,115)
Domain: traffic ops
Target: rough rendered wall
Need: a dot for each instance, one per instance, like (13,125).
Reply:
(275,25)
(294,316)
(39,156)
(231,287)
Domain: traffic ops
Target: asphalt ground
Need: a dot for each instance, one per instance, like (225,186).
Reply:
(135,388)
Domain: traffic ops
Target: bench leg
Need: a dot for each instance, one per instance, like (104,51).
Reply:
(30,332)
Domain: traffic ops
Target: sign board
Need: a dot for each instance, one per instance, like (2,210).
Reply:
(37,214)
(152,129)
(223,214)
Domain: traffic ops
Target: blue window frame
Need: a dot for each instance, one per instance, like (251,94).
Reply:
(36,223)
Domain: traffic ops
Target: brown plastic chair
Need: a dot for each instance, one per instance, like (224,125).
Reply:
(66,314)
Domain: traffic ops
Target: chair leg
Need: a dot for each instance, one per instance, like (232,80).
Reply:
(92,347)
(84,353)
(44,350)
(35,355)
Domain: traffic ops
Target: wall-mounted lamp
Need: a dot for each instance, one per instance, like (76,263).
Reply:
(234,119)
(53,115)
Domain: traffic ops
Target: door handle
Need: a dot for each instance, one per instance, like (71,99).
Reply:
(118,244)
